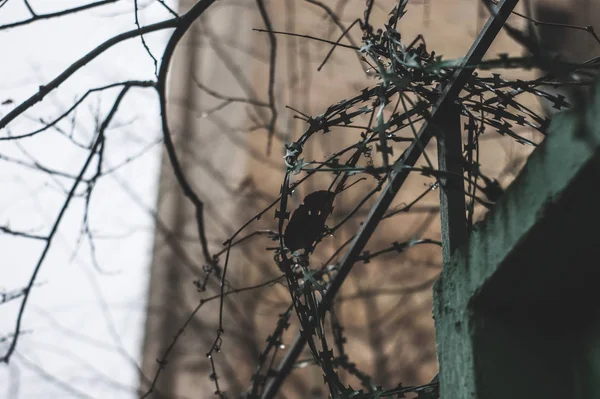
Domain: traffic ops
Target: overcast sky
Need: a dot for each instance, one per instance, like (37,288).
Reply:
(83,324)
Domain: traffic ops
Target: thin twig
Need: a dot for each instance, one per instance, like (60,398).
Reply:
(37,17)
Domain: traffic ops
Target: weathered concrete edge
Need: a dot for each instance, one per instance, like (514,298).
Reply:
(548,171)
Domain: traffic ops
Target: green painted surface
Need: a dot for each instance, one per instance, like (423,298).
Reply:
(516,309)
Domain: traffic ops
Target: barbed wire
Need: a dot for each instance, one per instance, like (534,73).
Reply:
(411,79)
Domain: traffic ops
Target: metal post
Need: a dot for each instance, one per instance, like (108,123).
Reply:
(452,195)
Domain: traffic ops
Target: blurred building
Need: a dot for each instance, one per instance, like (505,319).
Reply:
(223,146)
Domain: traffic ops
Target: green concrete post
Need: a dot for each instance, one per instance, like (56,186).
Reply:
(517,309)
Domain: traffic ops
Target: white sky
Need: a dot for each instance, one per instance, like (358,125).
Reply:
(83,322)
